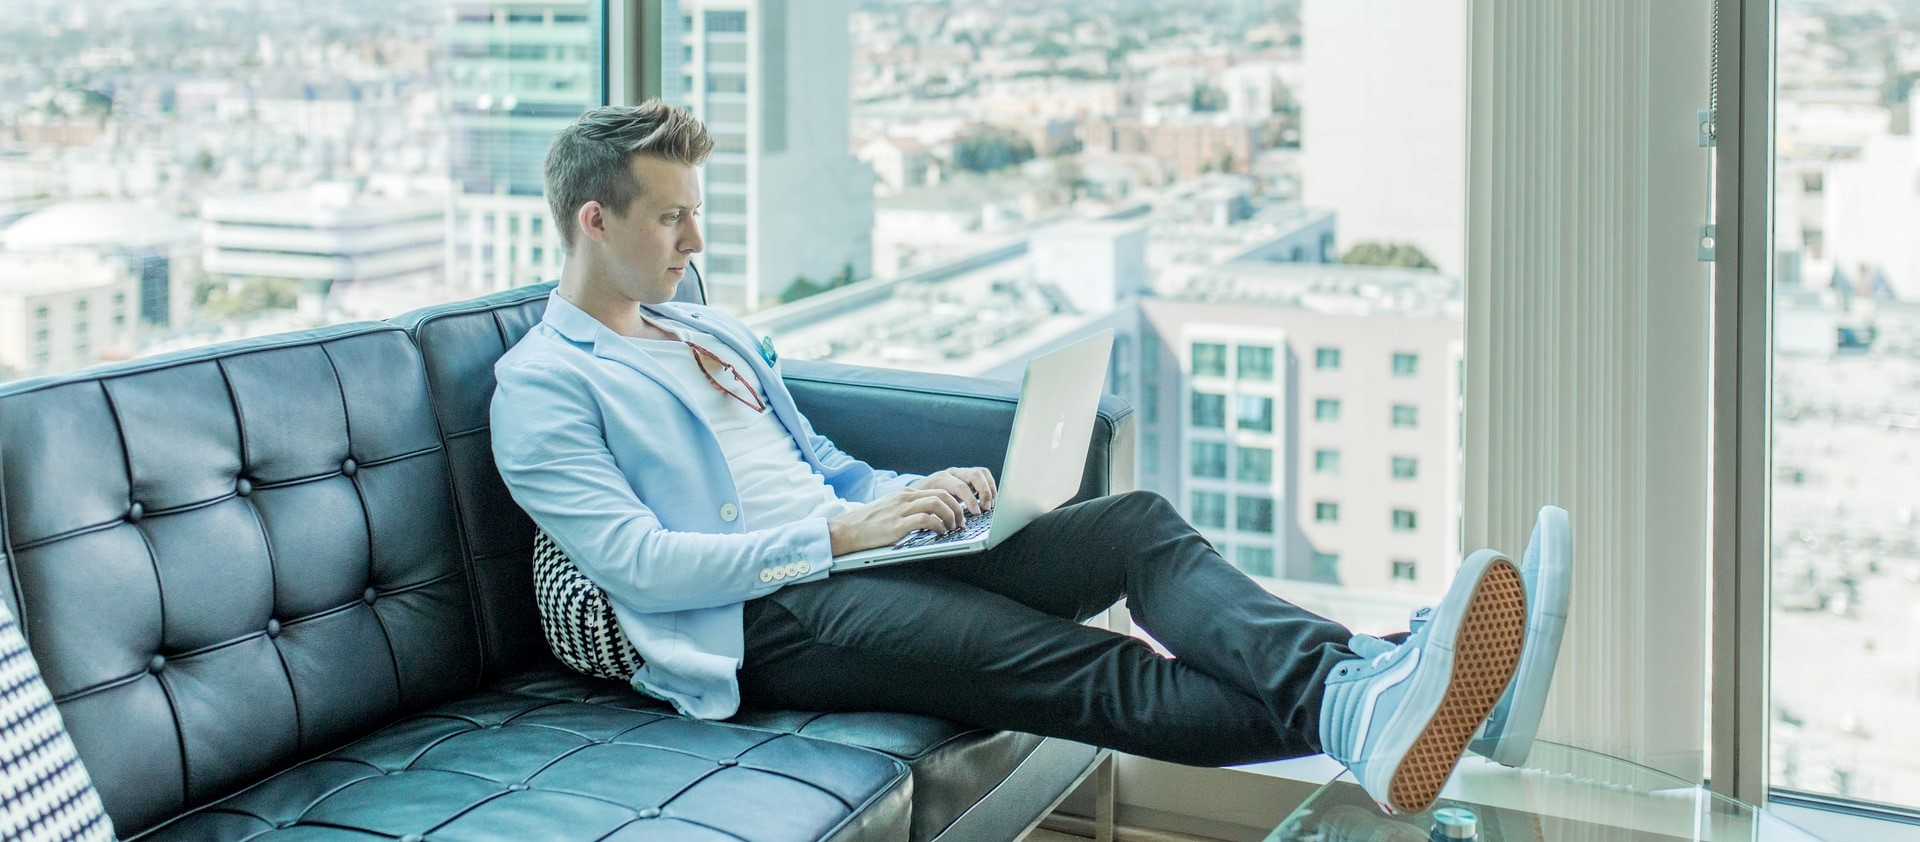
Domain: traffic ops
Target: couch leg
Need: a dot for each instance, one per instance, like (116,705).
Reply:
(1103,800)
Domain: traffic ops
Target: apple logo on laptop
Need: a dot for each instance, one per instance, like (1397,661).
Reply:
(1058,426)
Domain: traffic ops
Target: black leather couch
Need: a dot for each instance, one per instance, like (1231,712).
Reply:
(279,592)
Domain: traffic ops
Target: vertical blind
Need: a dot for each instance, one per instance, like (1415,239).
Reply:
(1588,330)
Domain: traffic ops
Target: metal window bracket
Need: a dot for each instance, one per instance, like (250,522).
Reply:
(1705,242)
(1709,134)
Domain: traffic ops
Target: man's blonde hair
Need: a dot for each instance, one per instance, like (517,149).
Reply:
(588,160)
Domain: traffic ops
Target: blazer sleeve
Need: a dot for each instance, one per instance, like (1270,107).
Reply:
(553,456)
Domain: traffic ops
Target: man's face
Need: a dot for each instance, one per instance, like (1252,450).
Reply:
(645,250)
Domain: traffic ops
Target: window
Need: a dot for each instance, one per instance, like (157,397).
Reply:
(725,143)
(1253,514)
(1253,464)
(1326,359)
(1403,571)
(1326,409)
(1845,396)
(726,83)
(1256,362)
(1325,512)
(1254,561)
(458,95)
(1326,566)
(1403,520)
(726,203)
(726,21)
(1209,411)
(726,264)
(1404,365)
(1406,415)
(1209,509)
(1209,360)
(1209,459)
(727,233)
(1326,461)
(1254,413)
(733,113)
(1405,467)
(732,53)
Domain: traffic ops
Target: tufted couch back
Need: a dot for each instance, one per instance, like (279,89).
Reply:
(460,343)
(230,559)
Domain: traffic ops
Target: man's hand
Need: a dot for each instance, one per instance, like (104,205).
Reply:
(888,519)
(973,486)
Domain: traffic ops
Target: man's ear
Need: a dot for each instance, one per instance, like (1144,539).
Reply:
(592,219)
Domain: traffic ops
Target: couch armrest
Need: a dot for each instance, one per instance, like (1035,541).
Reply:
(908,421)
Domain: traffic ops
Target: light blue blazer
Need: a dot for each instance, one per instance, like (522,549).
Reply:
(599,444)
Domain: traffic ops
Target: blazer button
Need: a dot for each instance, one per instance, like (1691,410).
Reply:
(728,512)
(805,568)
(793,569)
(779,573)
(766,575)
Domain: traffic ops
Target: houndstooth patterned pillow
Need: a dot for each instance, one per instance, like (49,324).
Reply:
(45,794)
(577,617)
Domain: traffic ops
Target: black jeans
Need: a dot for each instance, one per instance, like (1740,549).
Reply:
(995,640)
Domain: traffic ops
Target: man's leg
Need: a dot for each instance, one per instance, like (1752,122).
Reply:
(1075,561)
(907,639)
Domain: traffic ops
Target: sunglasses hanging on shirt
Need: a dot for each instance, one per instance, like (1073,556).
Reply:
(705,360)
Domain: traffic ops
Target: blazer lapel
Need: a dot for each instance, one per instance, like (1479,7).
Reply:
(574,323)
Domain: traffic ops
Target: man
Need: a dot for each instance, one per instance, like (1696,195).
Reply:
(661,452)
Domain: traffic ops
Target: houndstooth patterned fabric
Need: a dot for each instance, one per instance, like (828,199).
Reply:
(45,793)
(577,617)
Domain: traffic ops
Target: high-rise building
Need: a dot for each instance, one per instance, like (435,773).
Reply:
(784,197)
(1384,122)
(517,73)
(1316,411)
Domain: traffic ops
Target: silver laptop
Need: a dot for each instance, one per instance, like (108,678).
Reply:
(1046,455)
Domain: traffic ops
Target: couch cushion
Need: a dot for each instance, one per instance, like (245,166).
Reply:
(231,558)
(510,764)
(953,766)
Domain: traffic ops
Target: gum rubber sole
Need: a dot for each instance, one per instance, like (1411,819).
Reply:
(1485,654)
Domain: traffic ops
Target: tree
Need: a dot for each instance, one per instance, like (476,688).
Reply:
(245,299)
(804,286)
(989,149)
(1049,48)
(1209,98)
(1405,255)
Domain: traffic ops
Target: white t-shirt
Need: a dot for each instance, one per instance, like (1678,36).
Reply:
(776,485)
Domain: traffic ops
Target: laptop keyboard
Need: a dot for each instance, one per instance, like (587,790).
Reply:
(976,526)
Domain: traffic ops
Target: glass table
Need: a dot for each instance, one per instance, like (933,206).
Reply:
(1564,795)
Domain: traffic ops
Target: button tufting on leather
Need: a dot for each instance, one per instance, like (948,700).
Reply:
(134,512)
(412,837)
(349,467)
(273,628)
(370,596)
(156,663)
(516,787)
(725,762)
(650,813)
(242,487)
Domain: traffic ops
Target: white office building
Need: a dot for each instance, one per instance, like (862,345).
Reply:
(324,236)
(1384,122)
(785,198)
(63,310)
